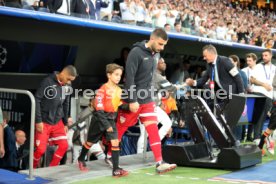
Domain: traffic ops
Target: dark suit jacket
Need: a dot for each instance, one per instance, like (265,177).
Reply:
(78,8)
(9,161)
(223,65)
(54,5)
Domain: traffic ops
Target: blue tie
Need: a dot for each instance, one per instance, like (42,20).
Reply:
(213,72)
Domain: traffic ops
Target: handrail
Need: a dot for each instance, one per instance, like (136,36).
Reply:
(28,93)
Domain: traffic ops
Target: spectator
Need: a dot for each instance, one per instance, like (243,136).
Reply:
(140,12)
(230,32)
(236,61)
(62,7)
(128,12)
(251,60)
(177,27)
(12,143)
(13,3)
(168,27)
(268,44)
(55,5)
(87,8)
(262,79)
(202,30)
(160,14)
(172,14)
(106,13)
(20,137)
(185,21)
(221,30)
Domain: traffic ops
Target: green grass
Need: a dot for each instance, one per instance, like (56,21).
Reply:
(180,174)
(145,176)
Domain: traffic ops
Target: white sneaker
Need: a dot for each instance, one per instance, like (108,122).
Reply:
(256,141)
(164,167)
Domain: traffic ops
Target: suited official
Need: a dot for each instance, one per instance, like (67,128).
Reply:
(220,71)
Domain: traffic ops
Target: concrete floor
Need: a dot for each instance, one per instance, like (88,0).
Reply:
(70,173)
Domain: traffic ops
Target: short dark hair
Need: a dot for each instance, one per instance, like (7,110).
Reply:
(252,55)
(110,68)
(160,33)
(176,23)
(267,50)
(236,59)
(71,70)
(166,25)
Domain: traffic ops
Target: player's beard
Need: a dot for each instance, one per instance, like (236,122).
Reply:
(154,49)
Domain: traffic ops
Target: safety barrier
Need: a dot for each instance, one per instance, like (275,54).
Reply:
(31,96)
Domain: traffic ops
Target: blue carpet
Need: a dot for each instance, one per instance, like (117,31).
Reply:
(264,173)
(8,177)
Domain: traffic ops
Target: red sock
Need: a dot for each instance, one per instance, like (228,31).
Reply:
(154,140)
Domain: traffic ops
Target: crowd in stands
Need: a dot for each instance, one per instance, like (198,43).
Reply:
(222,19)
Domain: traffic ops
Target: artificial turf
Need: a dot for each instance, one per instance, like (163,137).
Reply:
(179,175)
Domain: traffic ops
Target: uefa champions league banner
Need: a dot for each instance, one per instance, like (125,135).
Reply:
(27,57)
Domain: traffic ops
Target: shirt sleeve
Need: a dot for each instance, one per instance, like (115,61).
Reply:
(1,116)
(132,65)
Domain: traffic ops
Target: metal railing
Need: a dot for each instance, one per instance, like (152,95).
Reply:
(29,94)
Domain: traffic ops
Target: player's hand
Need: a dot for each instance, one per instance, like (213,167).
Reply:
(267,87)
(66,129)
(252,80)
(39,127)
(110,129)
(2,151)
(133,107)
(70,121)
(189,82)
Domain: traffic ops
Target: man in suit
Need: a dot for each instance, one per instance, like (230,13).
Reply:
(87,8)
(221,73)
(12,143)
